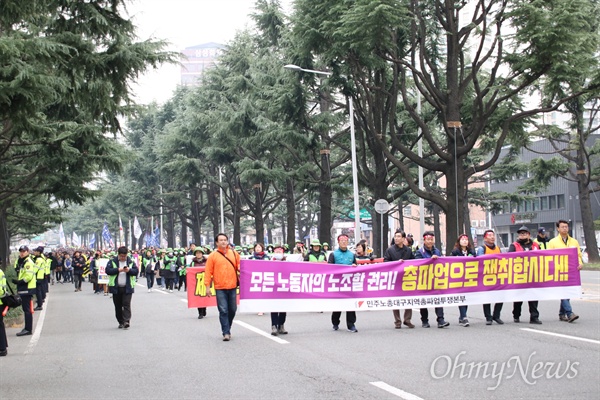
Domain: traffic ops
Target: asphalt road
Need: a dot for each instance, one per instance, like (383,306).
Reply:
(77,352)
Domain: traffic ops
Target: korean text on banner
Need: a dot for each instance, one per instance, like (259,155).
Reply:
(196,289)
(446,281)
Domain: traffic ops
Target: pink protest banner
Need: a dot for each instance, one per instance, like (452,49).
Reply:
(196,290)
(446,281)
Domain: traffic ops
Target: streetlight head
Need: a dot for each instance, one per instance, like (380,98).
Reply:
(311,71)
(292,67)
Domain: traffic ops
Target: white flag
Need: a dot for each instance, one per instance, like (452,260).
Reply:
(137,229)
(61,236)
(121,232)
(76,242)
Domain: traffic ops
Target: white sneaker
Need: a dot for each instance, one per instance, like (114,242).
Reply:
(149,290)
(170,290)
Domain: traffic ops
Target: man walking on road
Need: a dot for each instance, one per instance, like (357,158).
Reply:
(561,241)
(222,267)
(122,273)
(524,243)
(398,251)
(343,256)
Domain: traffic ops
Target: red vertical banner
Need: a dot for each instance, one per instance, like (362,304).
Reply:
(196,290)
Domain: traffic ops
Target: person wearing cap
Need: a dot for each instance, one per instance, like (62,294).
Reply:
(78,264)
(561,241)
(524,243)
(542,239)
(198,262)
(428,250)
(168,269)
(299,248)
(178,271)
(149,261)
(399,251)
(315,253)
(278,253)
(160,267)
(325,247)
(40,267)
(222,268)
(343,256)
(25,268)
(489,247)
(122,275)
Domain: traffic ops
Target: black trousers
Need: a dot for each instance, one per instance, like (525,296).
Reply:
(27,309)
(3,339)
(122,302)
(278,319)
(350,318)
(39,293)
(487,311)
(439,312)
(533,309)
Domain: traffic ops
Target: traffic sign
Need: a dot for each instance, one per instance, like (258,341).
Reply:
(382,206)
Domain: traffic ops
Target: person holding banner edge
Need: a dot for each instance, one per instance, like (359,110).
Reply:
(489,247)
(524,243)
(428,250)
(342,255)
(561,241)
(396,252)
(463,248)
(222,268)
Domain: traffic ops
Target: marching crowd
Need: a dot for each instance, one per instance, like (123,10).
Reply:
(167,269)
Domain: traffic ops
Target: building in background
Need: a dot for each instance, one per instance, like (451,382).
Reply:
(560,200)
(197,60)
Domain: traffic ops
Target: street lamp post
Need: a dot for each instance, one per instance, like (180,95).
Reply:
(353,153)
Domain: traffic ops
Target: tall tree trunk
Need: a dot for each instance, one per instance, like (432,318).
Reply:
(587,219)
(291,212)
(259,220)
(325,197)
(436,227)
(4,240)
(184,231)
(196,224)
(455,196)
(237,214)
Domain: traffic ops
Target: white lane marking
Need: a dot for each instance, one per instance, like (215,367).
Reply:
(561,335)
(184,300)
(260,332)
(395,391)
(38,329)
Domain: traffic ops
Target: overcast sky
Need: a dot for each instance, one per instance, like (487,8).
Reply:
(185,23)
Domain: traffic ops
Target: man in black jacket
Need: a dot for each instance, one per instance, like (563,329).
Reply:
(122,274)
(399,251)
